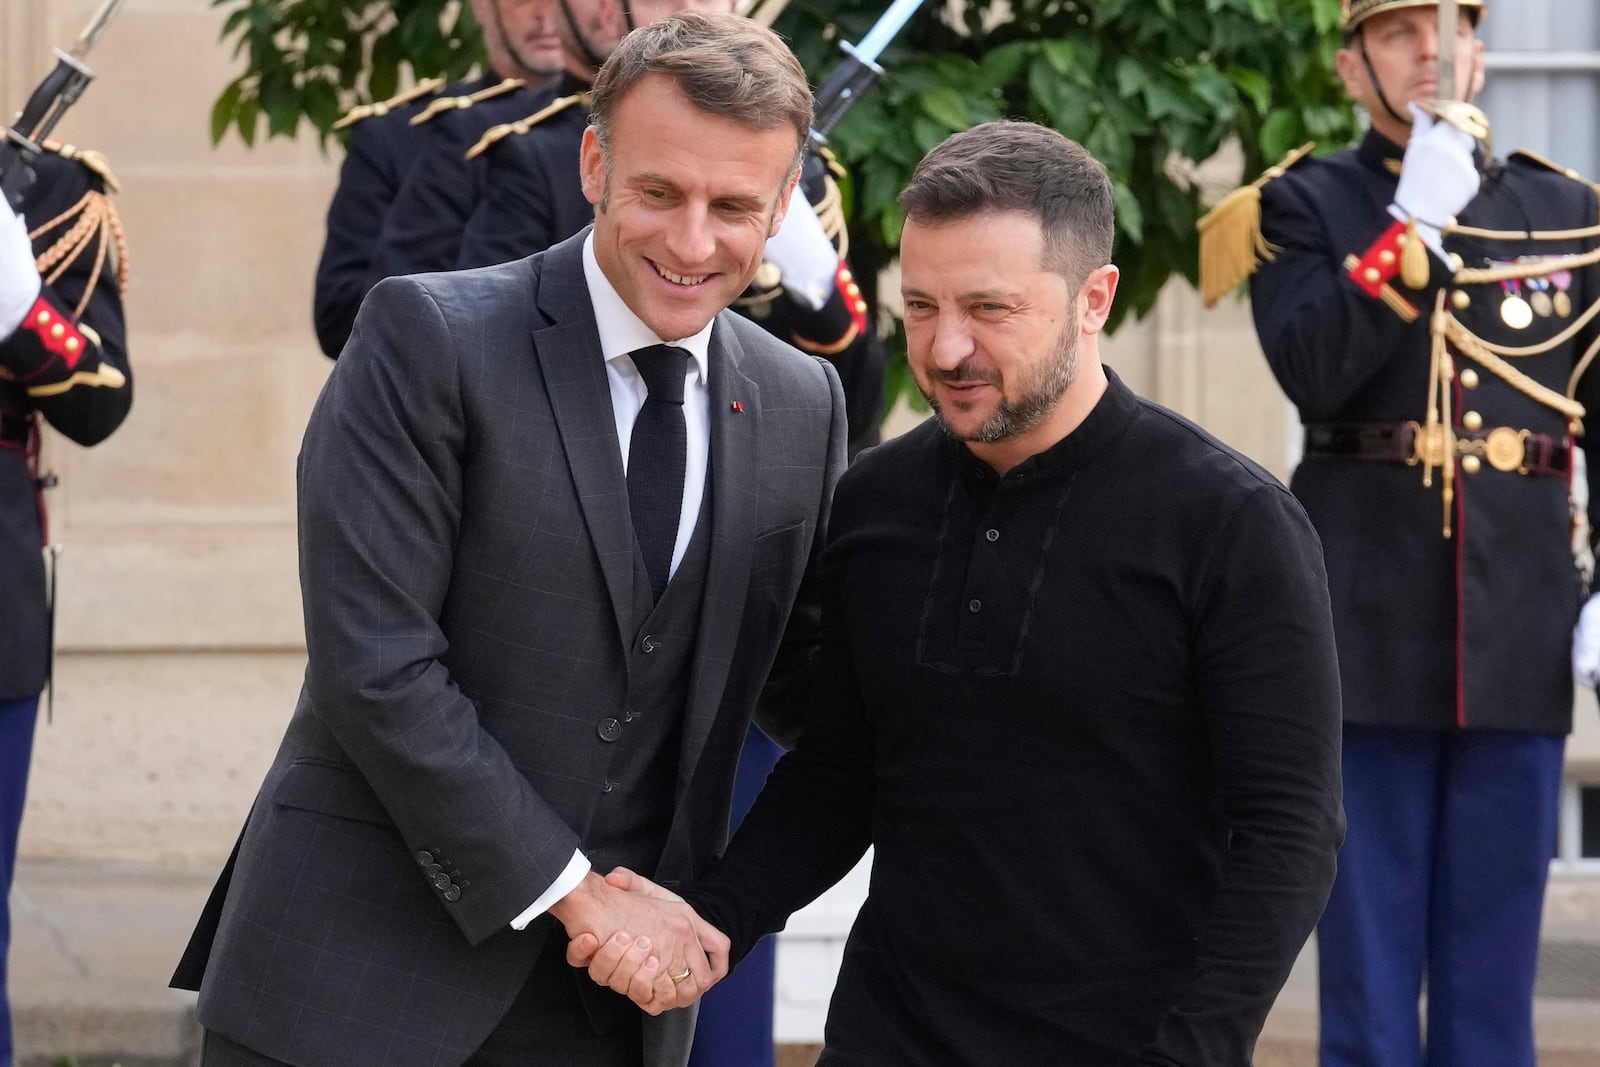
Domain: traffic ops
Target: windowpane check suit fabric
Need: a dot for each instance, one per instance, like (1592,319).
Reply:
(657,453)
(468,572)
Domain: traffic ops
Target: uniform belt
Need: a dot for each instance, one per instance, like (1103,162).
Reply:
(14,429)
(1502,447)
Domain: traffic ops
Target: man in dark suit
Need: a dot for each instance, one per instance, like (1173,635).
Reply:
(542,599)
(388,138)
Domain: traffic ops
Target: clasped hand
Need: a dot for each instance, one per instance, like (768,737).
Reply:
(642,941)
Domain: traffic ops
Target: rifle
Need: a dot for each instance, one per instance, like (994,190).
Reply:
(24,138)
(850,79)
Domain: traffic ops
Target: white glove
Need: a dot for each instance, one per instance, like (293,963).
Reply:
(1438,177)
(806,260)
(19,277)
(1586,644)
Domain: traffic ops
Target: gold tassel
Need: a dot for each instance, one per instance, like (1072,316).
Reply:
(1231,243)
(1414,258)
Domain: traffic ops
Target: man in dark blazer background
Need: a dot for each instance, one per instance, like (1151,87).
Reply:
(505,692)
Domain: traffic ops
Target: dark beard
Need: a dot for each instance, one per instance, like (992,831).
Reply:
(1038,400)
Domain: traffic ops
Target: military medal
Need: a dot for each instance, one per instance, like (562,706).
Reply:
(1514,311)
(1539,299)
(1562,303)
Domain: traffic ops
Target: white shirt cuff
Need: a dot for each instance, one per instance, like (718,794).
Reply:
(565,883)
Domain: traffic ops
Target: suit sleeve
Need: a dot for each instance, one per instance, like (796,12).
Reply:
(380,492)
(1323,335)
(1267,681)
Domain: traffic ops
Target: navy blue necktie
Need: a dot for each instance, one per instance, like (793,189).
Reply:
(657,454)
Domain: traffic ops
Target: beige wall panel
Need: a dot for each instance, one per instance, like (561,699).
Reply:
(155,758)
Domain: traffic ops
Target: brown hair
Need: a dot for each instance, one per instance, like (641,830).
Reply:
(726,65)
(1021,166)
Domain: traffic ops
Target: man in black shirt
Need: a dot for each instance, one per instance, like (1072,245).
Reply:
(1078,687)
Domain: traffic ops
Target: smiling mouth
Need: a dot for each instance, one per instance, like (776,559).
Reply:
(680,279)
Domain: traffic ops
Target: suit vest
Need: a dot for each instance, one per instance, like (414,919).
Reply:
(631,822)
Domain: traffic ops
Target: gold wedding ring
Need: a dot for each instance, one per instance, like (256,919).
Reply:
(680,977)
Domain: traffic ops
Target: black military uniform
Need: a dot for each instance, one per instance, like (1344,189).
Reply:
(1439,434)
(66,362)
(532,198)
(386,140)
(423,230)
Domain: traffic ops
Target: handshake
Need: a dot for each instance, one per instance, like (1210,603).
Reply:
(641,940)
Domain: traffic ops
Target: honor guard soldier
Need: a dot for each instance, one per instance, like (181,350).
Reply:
(63,268)
(1430,310)
(388,138)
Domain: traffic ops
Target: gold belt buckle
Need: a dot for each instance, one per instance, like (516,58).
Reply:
(1506,449)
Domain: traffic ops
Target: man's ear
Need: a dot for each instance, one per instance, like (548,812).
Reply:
(1099,289)
(592,167)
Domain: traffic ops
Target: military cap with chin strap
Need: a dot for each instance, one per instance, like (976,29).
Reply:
(1355,12)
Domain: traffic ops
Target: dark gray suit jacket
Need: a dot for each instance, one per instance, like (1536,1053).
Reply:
(467,569)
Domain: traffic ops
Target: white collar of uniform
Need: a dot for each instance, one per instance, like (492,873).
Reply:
(621,331)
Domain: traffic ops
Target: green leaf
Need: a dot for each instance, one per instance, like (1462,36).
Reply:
(223,110)
(244,119)
(1279,133)
(1130,214)
(948,106)
(1253,84)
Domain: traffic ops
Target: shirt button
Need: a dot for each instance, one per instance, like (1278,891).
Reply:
(991,535)
(609,729)
(974,606)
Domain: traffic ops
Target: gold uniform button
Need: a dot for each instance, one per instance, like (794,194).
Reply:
(1470,464)
(43,319)
(72,344)
(1472,420)
(1469,378)
(58,330)
(1386,257)
(1371,274)
(1461,299)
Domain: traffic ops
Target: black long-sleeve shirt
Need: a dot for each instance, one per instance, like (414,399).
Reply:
(1088,716)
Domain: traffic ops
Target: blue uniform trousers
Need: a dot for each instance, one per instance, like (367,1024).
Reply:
(16,749)
(1440,886)
(735,1025)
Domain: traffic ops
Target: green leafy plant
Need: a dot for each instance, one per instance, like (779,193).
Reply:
(1148,86)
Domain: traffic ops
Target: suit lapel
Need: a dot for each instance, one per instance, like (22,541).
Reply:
(733,478)
(568,350)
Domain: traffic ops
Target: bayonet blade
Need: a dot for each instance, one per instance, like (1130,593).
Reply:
(97,22)
(1449,26)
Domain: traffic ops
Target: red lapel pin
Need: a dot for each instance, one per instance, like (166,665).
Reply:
(737,406)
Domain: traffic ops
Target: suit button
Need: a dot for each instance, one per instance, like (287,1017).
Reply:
(991,536)
(424,858)
(974,606)
(648,644)
(609,729)
(607,786)
(433,870)
(452,894)
(441,881)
